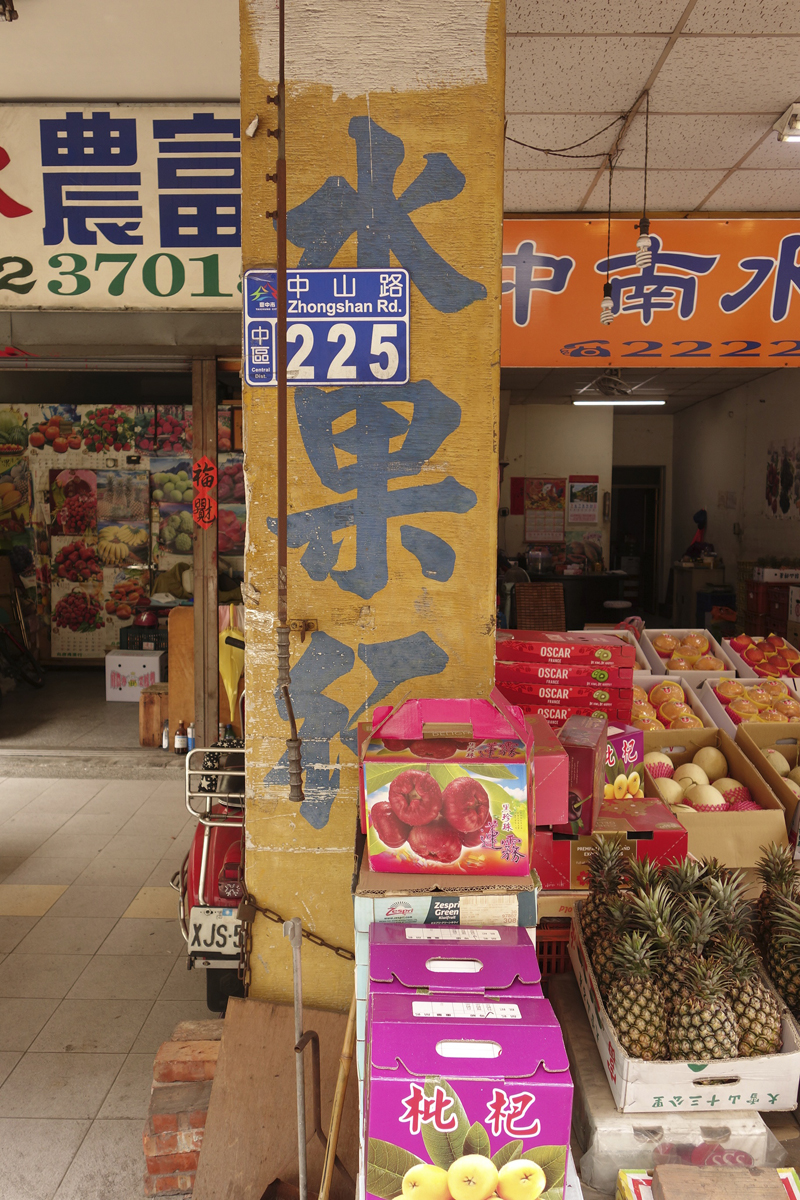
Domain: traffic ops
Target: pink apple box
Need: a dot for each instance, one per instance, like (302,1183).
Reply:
(448,788)
(491,962)
(448,1078)
(550,773)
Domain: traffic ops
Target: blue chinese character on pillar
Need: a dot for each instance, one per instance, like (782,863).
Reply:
(84,203)
(669,282)
(381,221)
(787,279)
(325,661)
(372,504)
(199,180)
(525,261)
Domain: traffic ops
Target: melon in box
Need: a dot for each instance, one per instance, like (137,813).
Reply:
(448,788)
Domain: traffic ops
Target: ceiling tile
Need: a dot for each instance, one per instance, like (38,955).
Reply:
(693,141)
(593,16)
(545,74)
(745,16)
(759,191)
(545,191)
(713,74)
(773,153)
(671,191)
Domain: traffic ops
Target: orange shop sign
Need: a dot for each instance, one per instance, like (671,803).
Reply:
(717,293)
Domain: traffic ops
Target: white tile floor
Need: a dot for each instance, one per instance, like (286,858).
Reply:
(92,978)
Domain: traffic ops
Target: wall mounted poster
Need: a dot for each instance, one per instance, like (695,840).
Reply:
(544,510)
(582,508)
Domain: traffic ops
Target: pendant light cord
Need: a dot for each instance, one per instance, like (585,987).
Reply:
(608,239)
(646,150)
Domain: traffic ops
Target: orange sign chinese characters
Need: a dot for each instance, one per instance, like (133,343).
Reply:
(721,293)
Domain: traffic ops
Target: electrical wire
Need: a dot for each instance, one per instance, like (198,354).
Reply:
(608,238)
(561,151)
(646,148)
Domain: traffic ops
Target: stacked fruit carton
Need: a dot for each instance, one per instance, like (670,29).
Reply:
(563,675)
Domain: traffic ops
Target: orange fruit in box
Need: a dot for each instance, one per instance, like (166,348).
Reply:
(696,641)
(686,721)
(639,695)
(647,724)
(743,708)
(668,690)
(676,663)
(789,707)
(709,662)
(772,715)
(672,709)
(642,709)
(728,689)
(759,695)
(664,644)
(775,688)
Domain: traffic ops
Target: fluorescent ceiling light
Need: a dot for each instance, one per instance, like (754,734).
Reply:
(618,402)
(788,126)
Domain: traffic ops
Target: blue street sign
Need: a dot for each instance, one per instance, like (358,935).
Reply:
(343,326)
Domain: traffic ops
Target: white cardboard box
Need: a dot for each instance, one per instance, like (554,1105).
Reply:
(698,708)
(704,693)
(128,671)
(744,669)
(658,665)
(767,1083)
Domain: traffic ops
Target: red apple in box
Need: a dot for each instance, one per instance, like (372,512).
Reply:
(766,670)
(753,654)
(791,654)
(774,642)
(741,642)
(778,664)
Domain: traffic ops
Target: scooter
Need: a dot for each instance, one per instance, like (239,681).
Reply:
(210,882)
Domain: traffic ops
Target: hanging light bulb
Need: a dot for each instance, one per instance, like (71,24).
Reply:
(606,305)
(644,245)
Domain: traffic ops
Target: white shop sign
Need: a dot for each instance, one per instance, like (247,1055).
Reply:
(122,206)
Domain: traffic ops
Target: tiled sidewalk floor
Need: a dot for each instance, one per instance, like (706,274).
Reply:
(92,978)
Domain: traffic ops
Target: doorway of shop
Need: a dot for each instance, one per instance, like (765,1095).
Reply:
(635,541)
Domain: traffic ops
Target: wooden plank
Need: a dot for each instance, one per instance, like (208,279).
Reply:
(153,712)
(675,1182)
(181,625)
(206,628)
(251,1133)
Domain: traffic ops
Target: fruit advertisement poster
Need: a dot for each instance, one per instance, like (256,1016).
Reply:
(126,592)
(122,496)
(73,501)
(544,510)
(782,483)
(78,627)
(163,429)
(176,529)
(75,560)
(15,497)
(232,521)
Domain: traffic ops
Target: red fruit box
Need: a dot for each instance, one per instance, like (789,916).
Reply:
(551,774)
(647,828)
(523,645)
(567,693)
(556,715)
(563,673)
(448,788)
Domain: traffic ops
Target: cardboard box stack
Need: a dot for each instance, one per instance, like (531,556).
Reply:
(563,675)
(467,1073)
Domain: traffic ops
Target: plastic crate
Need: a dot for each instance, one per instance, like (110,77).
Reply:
(552,949)
(137,637)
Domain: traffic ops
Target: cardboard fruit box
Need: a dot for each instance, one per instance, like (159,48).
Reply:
(735,838)
(648,682)
(563,674)
(578,649)
(647,827)
(491,962)
(448,787)
(705,695)
(658,665)
(444,1082)
(768,1082)
(550,774)
(627,636)
(747,668)
(754,739)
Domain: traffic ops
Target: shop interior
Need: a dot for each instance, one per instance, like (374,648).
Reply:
(96,551)
(665,447)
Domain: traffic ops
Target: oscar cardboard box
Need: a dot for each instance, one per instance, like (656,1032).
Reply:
(465,1100)
(448,788)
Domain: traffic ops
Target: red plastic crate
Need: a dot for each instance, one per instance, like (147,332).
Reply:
(552,949)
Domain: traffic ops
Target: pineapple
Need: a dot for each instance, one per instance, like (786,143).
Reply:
(714,869)
(682,877)
(703,1026)
(783,951)
(780,876)
(680,935)
(616,922)
(635,1003)
(727,896)
(755,1007)
(607,865)
(644,875)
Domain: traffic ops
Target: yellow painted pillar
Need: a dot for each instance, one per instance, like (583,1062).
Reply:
(394,158)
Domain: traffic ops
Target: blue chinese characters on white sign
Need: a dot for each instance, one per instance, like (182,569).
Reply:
(343,326)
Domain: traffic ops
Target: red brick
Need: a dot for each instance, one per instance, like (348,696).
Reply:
(172,1164)
(168,1185)
(183,1062)
(197,1119)
(163,1123)
(176,1106)
(184,1141)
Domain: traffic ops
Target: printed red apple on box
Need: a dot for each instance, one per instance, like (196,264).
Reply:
(448,788)
(466,1099)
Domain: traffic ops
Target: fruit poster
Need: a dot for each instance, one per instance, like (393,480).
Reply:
(75,560)
(126,592)
(77,620)
(782,484)
(544,510)
(232,520)
(123,496)
(163,429)
(73,501)
(109,428)
(582,508)
(15,498)
(176,529)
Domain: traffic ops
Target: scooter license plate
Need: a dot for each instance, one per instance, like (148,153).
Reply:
(214,936)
